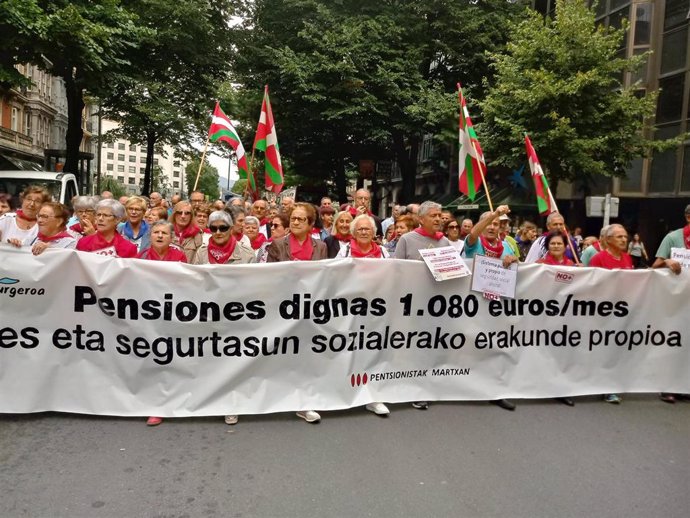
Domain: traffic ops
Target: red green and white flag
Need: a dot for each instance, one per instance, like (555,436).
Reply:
(471,162)
(267,141)
(545,200)
(222,130)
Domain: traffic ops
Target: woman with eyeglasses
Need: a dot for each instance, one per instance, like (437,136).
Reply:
(362,244)
(52,228)
(340,233)
(20,228)
(85,210)
(201,214)
(135,229)
(222,248)
(188,236)
(107,241)
(280,226)
(452,232)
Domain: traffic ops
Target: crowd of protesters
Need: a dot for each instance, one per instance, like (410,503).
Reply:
(197,231)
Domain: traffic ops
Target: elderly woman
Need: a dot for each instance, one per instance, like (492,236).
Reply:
(362,244)
(555,246)
(5,203)
(280,226)
(299,245)
(222,248)
(188,236)
(52,228)
(452,231)
(135,229)
(161,236)
(155,214)
(340,234)
(106,240)
(251,230)
(85,210)
(238,213)
(20,228)
(201,214)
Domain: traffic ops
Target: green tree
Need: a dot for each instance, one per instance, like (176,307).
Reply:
(166,97)
(239,187)
(559,80)
(109,183)
(208,180)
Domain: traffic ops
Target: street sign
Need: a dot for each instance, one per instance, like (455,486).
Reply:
(468,207)
(596,206)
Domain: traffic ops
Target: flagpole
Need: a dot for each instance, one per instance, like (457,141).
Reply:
(250,172)
(201,164)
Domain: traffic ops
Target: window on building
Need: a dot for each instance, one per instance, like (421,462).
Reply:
(176,185)
(121,146)
(132,169)
(120,169)
(674,50)
(14,122)
(675,13)
(670,102)
(663,168)
(142,170)
(121,157)
(142,159)
(155,161)
(111,156)
(132,158)
(132,147)
(111,145)
(130,180)
(176,163)
(27,123)
(176,174)
(121,179)
(109,167)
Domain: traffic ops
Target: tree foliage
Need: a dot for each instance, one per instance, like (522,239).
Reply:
(559,80)
(208,180)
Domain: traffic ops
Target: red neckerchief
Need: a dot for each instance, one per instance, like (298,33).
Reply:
(686,236)
(300,252)
(20,214)
(183,233)
(492,250)
(207,230)
(264,221)
(549,259)
(77,228)
(259,240)
(597,246)
(152,255)
(422,232)
(48,239)
(356,251)
(221,254)
(342,237)
(355,212)
(238,235)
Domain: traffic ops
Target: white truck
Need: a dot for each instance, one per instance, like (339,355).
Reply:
(62,186)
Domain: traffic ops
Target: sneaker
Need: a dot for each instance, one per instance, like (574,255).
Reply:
(420,405)
(613,398)
(378,409)
(309,416)
(667,397)
(154,421)
(231,419)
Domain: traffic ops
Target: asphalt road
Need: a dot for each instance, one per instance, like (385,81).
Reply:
(455,459)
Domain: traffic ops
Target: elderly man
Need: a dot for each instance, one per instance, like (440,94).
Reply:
(554,222)
(155,199)
(362,204)
(326,202)
(390,220)
(286,204)
(428,235)
(465,228)
(260,211)
(196,199)
(679,238)
(107,195)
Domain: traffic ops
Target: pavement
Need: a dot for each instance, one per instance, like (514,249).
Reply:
(455,459)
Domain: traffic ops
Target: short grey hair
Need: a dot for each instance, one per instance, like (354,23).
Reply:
(117,209)
(427,206)
(360,218)
(163,223)
(220,215)
(485,215)
(84,203)
(612,228)
(234,211)
(252,220)
(552,216)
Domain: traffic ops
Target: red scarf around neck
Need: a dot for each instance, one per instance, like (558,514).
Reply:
(265,221)
(190,230)
(258,241)
(549,259)
(422,232)
(355,212)
(490,250)
(356,251)
(686,236)
(48,239)
(20,214)
(342,237)
(221,254)
(300,252)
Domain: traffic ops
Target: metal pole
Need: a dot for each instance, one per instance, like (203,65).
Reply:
(607,210)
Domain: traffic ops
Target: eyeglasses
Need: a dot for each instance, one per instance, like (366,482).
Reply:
(84,211)
(43,216)
(298,219)
(363,230)
(276,225)
(184,213)
(103,215)
(453,226)
(221,228)
(33,201)
(135,210)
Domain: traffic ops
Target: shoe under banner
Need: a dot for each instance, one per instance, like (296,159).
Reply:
(96,335)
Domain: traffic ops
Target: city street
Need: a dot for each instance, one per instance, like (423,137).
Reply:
(455,459)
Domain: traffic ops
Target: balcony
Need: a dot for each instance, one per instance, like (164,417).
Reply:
(15,140)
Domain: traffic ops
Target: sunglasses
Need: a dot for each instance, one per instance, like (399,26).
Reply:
(185,213)
(276,225)
(453,226)
(221,228)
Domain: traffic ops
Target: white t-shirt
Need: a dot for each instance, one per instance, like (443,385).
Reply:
(10,230)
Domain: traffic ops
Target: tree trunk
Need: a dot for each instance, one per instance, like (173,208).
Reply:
(407,161)
(75,133)
(150,145)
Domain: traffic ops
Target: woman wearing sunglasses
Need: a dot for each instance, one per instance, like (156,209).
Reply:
(280,226)
(222,248)
(188,236)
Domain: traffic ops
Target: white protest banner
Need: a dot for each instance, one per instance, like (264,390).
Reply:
(96,335)
(681,255)
(489,276)
(445,263)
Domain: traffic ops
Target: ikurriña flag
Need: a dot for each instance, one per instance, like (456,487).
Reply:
(471,164)
(222,130)
(545,200)
(266,140)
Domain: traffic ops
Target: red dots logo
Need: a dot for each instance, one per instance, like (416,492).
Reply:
(358,379)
